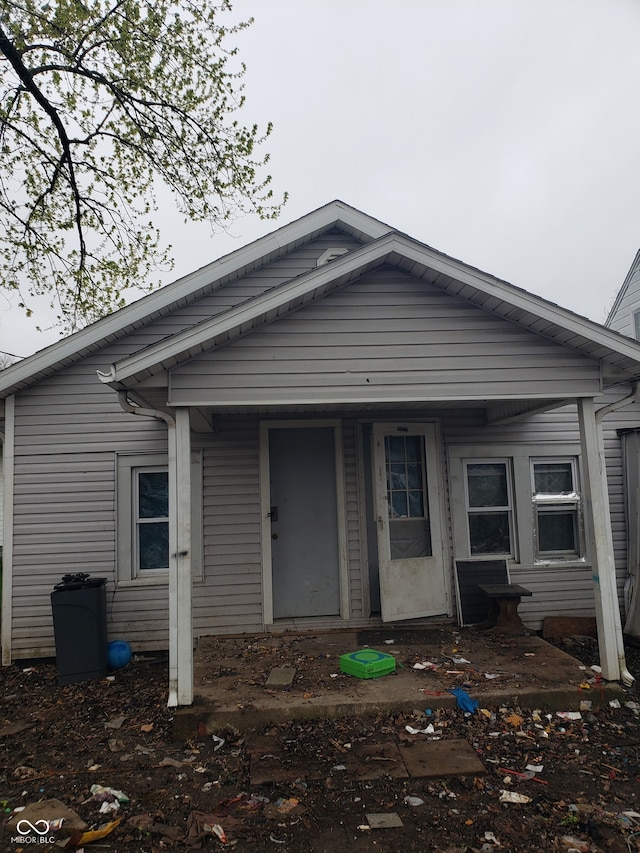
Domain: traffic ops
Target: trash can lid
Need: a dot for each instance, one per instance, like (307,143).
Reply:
(81,579)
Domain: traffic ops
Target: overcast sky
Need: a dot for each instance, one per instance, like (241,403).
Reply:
(505,133)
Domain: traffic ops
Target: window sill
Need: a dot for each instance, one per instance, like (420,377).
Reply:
(157,580)
(553,564)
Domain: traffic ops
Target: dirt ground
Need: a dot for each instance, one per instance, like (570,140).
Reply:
(58,742)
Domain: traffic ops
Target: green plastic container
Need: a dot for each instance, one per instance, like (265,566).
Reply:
(367,663)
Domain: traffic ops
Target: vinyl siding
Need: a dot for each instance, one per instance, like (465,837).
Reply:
(230,599)
(69,430)
(65,522)
(387,336)
(353,532)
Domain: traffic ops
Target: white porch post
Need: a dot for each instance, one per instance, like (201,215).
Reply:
(599,530)
(180,616)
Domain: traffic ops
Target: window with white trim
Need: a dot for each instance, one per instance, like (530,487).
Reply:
(517,501)
(489,507)
(151,519)
(143,518)
(557,515)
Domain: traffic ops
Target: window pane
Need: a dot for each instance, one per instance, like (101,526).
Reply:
(153,494)
(395,448)
(416,505)
(153,541)
(487,484)
(399,505)
(414,448)
(489,533)
(405,476)
(398,476)
(414,476)
(552,478)
(558,530)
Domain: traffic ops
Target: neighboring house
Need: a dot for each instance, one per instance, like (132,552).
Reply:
(624,317)
(305,435)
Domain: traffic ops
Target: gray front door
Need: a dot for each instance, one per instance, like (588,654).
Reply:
(304,522)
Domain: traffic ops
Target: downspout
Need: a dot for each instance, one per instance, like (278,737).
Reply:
(600,415)
(147,413)
(172,700)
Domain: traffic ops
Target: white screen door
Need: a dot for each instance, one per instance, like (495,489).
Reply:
(413,580)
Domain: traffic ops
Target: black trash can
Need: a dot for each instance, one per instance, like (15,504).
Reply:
(79,605)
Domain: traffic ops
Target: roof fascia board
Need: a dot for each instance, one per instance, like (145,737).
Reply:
(381,248)
(519,298)
(71,347)
(354,400)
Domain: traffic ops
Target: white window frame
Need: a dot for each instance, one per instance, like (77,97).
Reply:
(128,465)
(139,521)
(635,319)
(571,499)
(520,456)
(509,509)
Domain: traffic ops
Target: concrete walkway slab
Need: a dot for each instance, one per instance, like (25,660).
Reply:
(384,820)
(268,764)
(373,761)
(280,678)
(437,759)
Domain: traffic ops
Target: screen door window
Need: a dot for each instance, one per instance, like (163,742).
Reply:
(409,529)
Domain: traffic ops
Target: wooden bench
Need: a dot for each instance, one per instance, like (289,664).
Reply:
(504,600)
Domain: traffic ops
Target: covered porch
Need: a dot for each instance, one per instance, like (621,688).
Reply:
(375,569)
(361,397)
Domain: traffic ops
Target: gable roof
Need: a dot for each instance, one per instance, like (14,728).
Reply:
(189,288)
(487,292)
(381,245)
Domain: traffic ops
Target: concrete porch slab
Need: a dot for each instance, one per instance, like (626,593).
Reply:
(231,676)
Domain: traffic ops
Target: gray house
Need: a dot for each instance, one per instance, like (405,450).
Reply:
(308,434)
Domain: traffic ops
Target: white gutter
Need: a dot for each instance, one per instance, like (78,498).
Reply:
(633,397)
(146,413)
